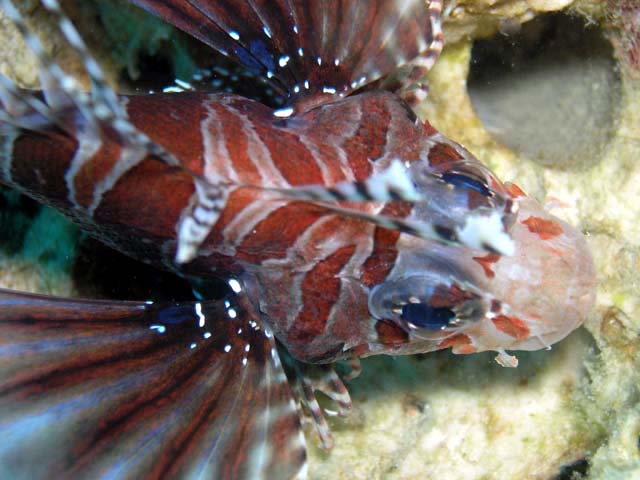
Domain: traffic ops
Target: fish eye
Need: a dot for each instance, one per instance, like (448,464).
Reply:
(422,315)
(463,180)
(440,298)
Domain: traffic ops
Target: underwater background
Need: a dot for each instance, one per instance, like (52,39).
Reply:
(547,93)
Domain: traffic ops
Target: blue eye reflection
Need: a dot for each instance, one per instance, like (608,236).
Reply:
(464,181)
(423,316)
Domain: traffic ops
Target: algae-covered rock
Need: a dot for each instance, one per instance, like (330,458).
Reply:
(121,36)
(565,126)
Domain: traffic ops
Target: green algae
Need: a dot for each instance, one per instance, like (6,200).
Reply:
(135,34)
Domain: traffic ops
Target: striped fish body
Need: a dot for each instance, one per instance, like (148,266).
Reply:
(293,253)
(225,174)
(309,270)
(224,138)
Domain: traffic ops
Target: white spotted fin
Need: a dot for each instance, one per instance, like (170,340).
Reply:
(313,52)
(106,389)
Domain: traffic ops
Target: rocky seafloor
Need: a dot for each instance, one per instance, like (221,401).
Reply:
(546,92)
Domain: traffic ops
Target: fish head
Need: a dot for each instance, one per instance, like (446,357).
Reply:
(438,296)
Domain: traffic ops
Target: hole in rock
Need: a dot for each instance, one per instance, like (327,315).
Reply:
(547,91)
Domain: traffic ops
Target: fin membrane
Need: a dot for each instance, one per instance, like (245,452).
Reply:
(311,51)
(95,389)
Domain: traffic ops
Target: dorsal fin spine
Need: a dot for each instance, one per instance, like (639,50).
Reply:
(316,53)
(423,63)
(63,81)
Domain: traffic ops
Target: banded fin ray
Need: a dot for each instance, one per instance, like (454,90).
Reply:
(480,230)
(104,389)
(312,52)
(100,109)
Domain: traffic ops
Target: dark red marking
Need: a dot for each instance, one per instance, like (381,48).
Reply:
(146,404)
(545,229)
(442,154)
(237,144)
(486,262)
(428,129)
(237,201)
(277,232)
(391,334)
(383,256)
(41,162)
(173,124)
(94,170)
(454,341)
(515,191)
(146,186)
(320,291)
(512,326)
(292,158)
(97,364)
(370,140)
(449,296)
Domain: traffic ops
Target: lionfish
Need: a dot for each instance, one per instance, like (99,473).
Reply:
(345,226)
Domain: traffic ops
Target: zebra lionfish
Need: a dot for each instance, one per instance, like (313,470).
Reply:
(347,228)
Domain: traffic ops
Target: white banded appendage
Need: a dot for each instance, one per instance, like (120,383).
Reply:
(393,183)
(198,219)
